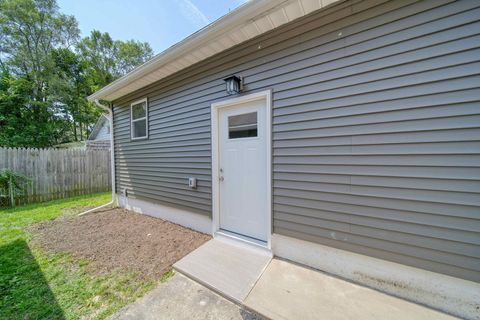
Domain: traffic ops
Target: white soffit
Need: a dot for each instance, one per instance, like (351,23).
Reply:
(246,22)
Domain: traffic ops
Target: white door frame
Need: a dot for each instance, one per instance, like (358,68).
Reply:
(215,108)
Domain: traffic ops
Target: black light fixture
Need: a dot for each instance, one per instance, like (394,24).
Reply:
(234,84)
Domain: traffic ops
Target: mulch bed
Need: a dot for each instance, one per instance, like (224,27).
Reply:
(118,239)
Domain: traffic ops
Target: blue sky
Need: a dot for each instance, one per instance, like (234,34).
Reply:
(159,22)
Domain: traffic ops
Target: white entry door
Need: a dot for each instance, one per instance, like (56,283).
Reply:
(243,168)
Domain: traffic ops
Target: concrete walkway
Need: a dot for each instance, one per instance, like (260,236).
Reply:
(289,291)
(272,288)
(183,299)
(278,289)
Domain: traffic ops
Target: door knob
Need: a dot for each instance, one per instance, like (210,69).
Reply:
(221,178)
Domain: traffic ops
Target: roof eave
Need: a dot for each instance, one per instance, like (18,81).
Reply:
(246,13)
(210,31)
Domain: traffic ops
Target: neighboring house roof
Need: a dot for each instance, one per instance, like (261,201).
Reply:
(246,22)
(103,121)
(71,145)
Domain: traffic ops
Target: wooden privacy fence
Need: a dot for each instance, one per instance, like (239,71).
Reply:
(58,173)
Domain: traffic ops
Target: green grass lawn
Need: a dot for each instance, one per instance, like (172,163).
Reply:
(39,285)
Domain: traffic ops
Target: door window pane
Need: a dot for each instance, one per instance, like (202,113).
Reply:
(242,126)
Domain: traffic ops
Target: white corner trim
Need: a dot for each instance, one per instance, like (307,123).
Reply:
(182,217)
(263,95)
(452,295)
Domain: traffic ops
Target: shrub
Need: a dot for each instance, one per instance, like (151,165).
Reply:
(12,185)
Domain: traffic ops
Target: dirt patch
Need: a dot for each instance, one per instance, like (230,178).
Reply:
(118,239)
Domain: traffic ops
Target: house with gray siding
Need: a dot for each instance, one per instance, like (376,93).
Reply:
(99,138)
(343,135)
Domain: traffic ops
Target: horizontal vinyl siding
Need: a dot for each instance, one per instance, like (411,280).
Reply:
(376,131)
(157,169)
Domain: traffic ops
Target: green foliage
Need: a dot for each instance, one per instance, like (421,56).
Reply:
(31,29)
(107,60)
(69,85)
(25,121)
(39,285)
(12,184)
(47,72)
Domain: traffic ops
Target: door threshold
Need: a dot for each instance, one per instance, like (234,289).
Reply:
(242,240)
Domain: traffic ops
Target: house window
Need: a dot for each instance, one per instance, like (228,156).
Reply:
(242,126)
(139,119)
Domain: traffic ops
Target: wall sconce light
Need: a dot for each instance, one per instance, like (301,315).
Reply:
(234,84)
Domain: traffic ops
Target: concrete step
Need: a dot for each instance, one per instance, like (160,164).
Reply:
(228,267)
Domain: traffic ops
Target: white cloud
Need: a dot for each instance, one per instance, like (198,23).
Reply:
(193,14)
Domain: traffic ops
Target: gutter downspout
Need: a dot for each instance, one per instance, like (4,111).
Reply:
(112,159)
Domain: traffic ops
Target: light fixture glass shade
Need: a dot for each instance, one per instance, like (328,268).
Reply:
(233,85)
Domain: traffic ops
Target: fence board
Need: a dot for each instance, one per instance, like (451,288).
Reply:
(58,173)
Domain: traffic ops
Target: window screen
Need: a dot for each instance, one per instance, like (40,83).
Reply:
(242,126)
(139,110)
(139,120)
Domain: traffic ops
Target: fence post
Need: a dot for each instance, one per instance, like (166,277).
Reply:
(10,192)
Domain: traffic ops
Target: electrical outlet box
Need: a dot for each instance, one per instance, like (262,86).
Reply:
(192,183)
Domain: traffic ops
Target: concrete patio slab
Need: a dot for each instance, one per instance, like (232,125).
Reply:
(183,299)
(290,291)
(226,266)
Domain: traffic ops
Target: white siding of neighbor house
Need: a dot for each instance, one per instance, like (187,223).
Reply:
(376,130)
(104,133)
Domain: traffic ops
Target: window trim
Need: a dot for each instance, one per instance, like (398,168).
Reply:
(139,119)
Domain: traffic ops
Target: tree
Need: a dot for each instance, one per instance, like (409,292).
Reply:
(131,54)
(25,122)
(30,30)
(47,73)
(69,87)
(107,60)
